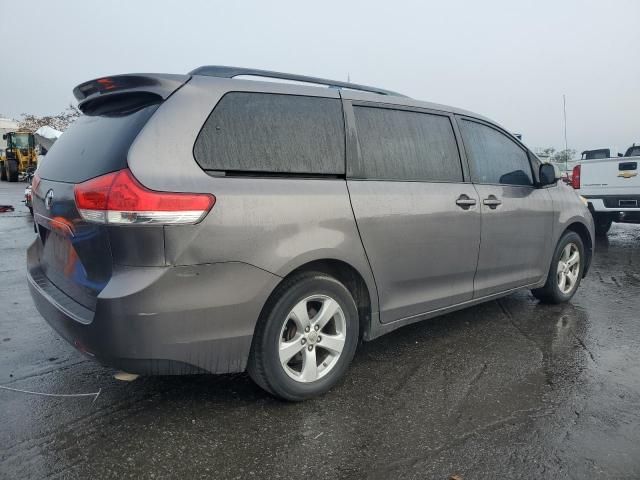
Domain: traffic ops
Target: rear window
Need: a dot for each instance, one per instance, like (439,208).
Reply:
(93,146)
(596,154)
(273,133)
(402,145)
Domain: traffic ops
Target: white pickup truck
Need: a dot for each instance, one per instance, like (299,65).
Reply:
(612,188)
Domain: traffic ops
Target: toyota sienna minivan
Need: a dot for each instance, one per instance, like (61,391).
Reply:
(207,223)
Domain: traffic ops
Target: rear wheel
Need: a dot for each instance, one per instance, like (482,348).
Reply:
(3,172)
(306,338)
(602,224)
(566,270)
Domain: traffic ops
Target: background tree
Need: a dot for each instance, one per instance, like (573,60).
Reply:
(548,152)
(60,121)
(564,156)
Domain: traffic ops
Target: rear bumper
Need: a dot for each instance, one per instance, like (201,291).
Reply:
(604,206)
(163,320)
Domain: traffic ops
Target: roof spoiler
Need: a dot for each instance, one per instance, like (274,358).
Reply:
(95,93)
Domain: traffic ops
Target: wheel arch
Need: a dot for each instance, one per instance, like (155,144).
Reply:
(364,295)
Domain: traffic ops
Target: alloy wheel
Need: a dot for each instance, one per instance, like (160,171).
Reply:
(568,268)
(312,338)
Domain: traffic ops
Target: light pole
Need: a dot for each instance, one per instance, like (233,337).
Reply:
(566,149)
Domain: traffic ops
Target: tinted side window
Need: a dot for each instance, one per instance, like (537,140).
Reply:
(401,145)
(494,157)
(263,132)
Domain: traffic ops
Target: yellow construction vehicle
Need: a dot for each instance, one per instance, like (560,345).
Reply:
(19,155)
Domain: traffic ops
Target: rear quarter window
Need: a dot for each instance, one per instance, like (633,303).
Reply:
(93,145)
(273,133)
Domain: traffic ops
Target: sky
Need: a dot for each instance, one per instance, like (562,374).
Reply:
(508,60)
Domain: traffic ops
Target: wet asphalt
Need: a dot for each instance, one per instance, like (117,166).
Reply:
(508,389)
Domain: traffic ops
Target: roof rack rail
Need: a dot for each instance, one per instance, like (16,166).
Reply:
(231,72)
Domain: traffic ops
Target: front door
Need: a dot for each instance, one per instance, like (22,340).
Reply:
(517,217)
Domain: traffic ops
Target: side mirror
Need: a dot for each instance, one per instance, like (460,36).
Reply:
(4,136)
(549,174)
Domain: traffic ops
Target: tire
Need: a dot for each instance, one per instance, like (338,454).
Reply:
(553,290)
(602,224)
(3,172)
(12,170)
(282,323)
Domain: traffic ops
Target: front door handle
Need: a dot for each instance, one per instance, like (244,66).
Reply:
(492,202)
(465,202)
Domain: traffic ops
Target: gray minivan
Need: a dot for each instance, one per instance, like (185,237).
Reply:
(206,223)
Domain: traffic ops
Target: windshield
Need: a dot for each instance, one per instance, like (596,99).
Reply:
(19,140)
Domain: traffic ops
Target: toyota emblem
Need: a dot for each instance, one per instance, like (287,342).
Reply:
(48,199)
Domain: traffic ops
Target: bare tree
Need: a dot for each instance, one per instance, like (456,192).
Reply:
(60,121)
(563,156)
(548,152)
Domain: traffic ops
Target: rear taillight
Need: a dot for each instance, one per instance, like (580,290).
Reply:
(35,181)
(118,198)
(575,177)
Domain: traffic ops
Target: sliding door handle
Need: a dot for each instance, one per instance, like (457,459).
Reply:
(492,202)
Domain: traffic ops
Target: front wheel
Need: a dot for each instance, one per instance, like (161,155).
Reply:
(565,272)
(306,338)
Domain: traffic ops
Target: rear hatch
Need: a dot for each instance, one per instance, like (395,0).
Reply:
(74,254)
